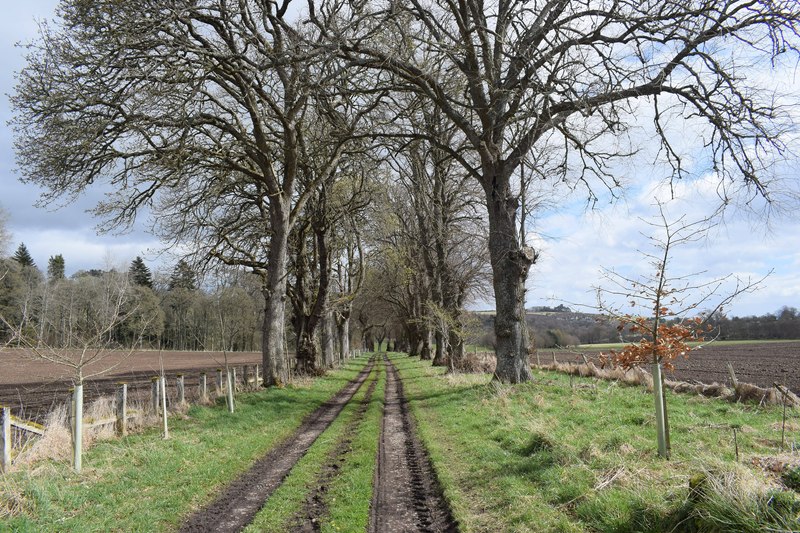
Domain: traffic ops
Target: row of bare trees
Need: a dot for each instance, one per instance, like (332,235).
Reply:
(258,132)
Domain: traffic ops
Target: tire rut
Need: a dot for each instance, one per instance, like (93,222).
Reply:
(240,500)
(315,507)
(406,495)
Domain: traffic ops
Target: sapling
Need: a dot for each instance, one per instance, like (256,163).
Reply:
(670,305)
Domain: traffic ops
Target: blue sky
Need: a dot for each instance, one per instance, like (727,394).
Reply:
(574,242)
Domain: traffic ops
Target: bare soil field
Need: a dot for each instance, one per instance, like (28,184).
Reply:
(31,387)
(760,363)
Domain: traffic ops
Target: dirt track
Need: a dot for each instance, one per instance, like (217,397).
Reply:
(239,502)
(407,496)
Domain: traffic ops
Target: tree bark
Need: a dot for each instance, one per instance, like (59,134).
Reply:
(510,265)
(328,339)
(274,359)
(425,352)
(440,354)
(343,331)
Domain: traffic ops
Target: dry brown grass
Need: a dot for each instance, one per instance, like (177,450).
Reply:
(56,443)
(744,392)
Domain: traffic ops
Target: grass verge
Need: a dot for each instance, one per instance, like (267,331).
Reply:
(143,483)
(546,456)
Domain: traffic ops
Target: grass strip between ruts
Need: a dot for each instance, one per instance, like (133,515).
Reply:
(289,499)
(144,483)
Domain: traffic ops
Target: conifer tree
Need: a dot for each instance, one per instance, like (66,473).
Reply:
(23,256)
(140,274)
(183,277)
(55,268)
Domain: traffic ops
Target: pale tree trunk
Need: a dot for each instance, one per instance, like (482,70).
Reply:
(328,339)
(510,265)
(343,332)
(274,359)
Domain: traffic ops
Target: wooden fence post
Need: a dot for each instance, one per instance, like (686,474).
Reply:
(246,376)
(258,378)
(203,386)
(155,394)
(732,374)
(122,409)
(181,390)
(219,381)
(6,439)
(232,384)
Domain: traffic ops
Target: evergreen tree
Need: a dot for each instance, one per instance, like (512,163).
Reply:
(23,256)
(55,268)
(140,274)
(183,277)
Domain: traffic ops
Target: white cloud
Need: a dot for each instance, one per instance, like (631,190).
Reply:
(577,244)
(82,250)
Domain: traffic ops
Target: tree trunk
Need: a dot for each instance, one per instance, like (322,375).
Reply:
(412,340)
(274,359)
(440,357)
(425,353)
(307,348)
(329,339)
(510,265)
(343,330)
(369,342)
(456,353)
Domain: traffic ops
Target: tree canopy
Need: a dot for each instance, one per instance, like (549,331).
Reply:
(234,123)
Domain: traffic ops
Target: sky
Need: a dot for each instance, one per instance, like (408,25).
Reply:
(70,230)
(574,242)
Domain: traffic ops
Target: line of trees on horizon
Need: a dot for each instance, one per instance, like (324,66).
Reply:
(157,312)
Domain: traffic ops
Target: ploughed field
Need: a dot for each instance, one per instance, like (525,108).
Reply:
(759,363)
(32,386)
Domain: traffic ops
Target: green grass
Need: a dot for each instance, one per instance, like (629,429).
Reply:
(541,457)
(547,457)
(143,483)
(288,500)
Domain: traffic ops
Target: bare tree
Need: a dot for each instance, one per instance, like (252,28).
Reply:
(567,79)
(449,240)
(201,110)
